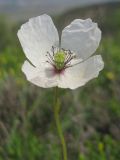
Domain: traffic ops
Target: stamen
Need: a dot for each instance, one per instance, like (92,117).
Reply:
(53,50)
(50,63)
(50,59)
(69,57)
(60,59)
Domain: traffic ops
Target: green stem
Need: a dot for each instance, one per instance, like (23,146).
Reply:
(58,124)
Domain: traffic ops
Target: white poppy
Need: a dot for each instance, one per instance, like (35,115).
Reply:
(66,64)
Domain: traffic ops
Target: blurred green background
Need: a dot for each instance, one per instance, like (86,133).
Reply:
(90,115)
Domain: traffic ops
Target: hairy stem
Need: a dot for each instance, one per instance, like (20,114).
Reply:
(58,124)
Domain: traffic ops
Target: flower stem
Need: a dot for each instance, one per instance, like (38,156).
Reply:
(58,124)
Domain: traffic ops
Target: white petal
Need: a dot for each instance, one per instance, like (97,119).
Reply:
(42,76)
(37,36)
(81,37)
(79,74)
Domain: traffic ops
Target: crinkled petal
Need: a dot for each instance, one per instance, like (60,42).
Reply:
(37,36)
(77,75)
(81,37)
(42,76)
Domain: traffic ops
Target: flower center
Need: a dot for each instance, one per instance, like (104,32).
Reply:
(60,59)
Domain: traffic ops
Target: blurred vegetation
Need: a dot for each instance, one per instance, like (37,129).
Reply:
(90,115)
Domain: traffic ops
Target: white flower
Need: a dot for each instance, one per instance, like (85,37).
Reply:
(66,64)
